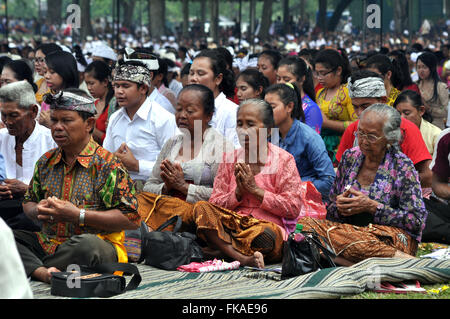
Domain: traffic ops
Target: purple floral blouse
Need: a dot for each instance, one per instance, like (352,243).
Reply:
(396,187)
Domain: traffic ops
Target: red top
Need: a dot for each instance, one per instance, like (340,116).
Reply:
(412,144)
(412,87)
(100,124)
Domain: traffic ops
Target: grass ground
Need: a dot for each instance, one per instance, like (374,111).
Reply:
(438,291)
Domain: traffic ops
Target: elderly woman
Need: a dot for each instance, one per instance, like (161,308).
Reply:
(187,164)
(255,200)
(22,143)
(376,206)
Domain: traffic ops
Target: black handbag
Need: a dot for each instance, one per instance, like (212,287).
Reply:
(98,281)
(304,256)
(169,249)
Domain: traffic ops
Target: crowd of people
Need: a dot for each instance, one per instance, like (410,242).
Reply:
(96,141)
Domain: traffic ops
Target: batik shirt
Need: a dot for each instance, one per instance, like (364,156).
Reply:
(396,188)
(97,181)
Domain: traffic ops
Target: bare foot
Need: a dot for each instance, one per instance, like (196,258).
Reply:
(44,274)
(257,260)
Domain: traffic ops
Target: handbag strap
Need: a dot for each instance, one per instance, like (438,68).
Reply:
(175,219)
(153,208)
(107,290)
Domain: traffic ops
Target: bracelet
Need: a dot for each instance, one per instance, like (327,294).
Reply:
(82,216)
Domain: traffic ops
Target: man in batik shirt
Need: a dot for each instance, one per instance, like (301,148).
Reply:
(80,192)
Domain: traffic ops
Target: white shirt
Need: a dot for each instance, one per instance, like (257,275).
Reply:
(13,281)
(157,97)
(145,134)
(39,142)
(224,119)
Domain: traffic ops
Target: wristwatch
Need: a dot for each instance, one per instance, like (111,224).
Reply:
(82,215)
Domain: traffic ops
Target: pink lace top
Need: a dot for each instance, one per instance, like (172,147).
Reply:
(280,180)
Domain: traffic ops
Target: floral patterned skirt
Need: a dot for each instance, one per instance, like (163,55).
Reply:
(355,243)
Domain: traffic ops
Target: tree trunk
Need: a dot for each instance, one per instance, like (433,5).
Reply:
(128,11)
(54,8)
(286,16)
(214,21)
(86,26)
(322,18)
(157,19)
(266,20)
(334,20)
(401,15)
(185,18)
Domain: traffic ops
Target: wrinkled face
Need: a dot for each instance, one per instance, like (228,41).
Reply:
(95,87)
(189,112)
(7,76)
(371,139)
(422,70)
(411,113)
(68,128)
(245,91)
(17,120)
(249,126)
(266,67)
(201,72)
(281,112)
(128,94)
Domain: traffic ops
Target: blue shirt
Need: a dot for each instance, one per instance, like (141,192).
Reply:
(2,169)
(311,157)
(313,115)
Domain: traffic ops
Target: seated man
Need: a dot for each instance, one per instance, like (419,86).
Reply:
(81,193)
(22,143)
(138,130)
(367,88)
(437,228)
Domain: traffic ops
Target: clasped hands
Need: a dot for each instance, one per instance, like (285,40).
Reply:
(56,210)
(245,182)
(173,176)
(352,202)
(126,156)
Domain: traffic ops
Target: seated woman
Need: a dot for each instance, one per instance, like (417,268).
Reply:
(251,84)
(255,197)
(296,137)
(187,164)
(410,105)
(376,206)
(294,70)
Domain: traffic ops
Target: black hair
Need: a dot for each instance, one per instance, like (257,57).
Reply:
(288,94)
(383,64)
(308,54)
(255,79)
(415,99)
(400,59)
(48,48)
(273,55)
(332,59)
(65,65)
(163,67)
(430,60)
(185,69)
(207,97)
(218,66)
(22,71)
(79,55)
(299,68)
(101,72)
(226,55)
(4,60)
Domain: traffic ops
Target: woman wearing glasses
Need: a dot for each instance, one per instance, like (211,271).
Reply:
(40,67)
(332,70)
(376,207)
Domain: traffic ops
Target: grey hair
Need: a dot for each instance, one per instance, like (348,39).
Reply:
(391,127)
(20,92)
(265,110)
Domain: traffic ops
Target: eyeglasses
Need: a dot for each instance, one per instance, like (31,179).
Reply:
(38,60)
(371,138)
(322,74)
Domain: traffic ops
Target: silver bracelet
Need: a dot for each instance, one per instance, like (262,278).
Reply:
(82,216)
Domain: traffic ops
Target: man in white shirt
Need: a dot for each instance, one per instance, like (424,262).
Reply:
(137,132)
(22,143)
